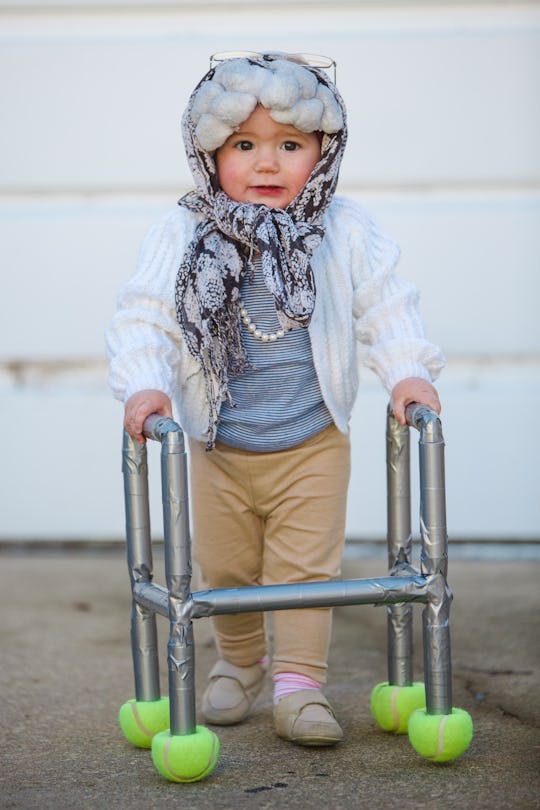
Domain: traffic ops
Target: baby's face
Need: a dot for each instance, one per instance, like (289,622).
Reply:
(265,162)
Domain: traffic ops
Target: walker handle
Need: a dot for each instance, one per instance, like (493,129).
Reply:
(156,427)
(418,415)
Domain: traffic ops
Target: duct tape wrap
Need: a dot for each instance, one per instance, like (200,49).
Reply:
(180,649)
(152,596)
(135,472)
(398,478)
(434,555)
(434,560)
(144,647)
(399,540)
(140,567)
(181,668)
(400,636)
(437,650)
(219,601)
(176,516)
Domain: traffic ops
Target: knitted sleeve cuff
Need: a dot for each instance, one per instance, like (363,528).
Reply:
(396,360)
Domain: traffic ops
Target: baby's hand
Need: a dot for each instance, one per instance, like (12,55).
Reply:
(141,405)
(413,389)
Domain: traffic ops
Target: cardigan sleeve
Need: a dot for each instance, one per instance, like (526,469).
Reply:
(143,339)
(387,316)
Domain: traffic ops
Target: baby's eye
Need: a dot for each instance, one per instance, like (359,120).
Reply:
(290,146)
(244,146)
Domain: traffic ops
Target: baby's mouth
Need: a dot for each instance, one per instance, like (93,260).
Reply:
(268,189)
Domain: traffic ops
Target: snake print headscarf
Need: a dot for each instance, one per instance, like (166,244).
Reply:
(209,279)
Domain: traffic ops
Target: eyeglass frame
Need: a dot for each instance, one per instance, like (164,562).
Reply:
(305,59)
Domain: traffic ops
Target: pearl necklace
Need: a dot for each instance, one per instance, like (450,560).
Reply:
(266,337)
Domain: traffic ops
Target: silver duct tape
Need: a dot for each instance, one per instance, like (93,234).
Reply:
(139,552)
(176,599)
(134,465)
(134,459)
(159,428)
(434,554)
(178,567)
(437,649)
(426,421)
(144,652)
(283,597)
(434,564)
(139,546)
(151,596)
(180,651)
(400,645)
(385,590)
(139,560)
(400,634)
(437,667)
(181,666)
(180,615)
(178,562)
(399,535)
(434,551)
(399,543)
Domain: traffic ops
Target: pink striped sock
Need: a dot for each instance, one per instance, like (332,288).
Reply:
(285,683)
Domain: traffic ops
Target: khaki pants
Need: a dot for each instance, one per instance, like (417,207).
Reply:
(272,518)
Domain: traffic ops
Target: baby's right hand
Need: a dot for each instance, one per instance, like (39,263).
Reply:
(141,405)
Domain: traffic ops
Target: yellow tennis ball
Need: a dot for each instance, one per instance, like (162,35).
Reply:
(391,706)
(440,737)
(186,757)
(140,720)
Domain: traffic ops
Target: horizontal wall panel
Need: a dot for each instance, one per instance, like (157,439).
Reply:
(475,260)
(68,259)
(94,101)
(63,479)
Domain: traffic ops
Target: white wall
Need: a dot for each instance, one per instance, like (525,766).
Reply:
(444,131)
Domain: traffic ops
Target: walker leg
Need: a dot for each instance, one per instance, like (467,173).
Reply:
(180,648)
(393,701)
(399,540)
(439,732)
(434,564)
(147,714)
(184,752)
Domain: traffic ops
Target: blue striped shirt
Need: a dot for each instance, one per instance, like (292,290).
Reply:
(278,403)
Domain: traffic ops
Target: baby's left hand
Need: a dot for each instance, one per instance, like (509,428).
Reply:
(413,389)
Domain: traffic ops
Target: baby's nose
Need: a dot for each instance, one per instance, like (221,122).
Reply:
(267,161)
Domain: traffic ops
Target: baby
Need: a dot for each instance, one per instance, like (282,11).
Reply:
(245,320)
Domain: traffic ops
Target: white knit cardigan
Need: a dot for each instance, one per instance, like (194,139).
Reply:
(363,311)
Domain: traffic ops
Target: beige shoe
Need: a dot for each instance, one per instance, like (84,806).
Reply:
(305,717)
(231,692)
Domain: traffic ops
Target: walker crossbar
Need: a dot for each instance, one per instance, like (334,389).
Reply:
(385,590)
(402,587)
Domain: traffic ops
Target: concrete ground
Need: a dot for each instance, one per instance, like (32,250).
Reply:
(65,668)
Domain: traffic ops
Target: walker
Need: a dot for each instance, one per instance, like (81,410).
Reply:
(182,751)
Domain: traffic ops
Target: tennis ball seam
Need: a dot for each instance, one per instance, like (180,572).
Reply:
(394,709)
(139,722)
(440,745)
